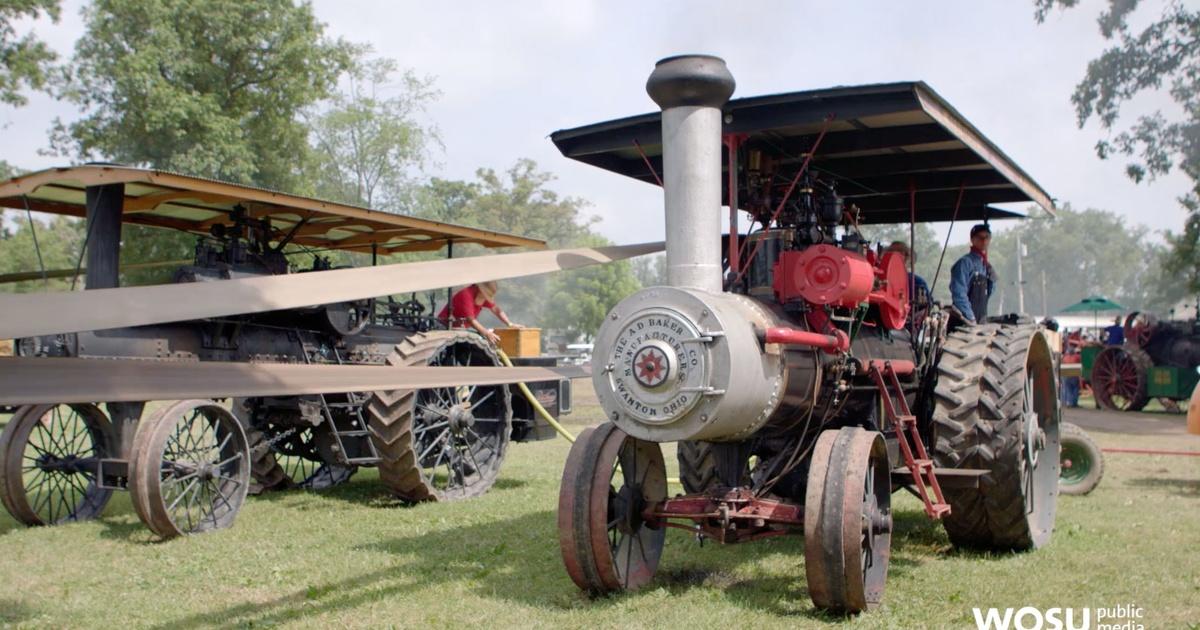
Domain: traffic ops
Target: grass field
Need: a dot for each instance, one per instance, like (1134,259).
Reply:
(351,557)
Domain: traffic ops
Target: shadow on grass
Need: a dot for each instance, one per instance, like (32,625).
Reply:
(517,560)
(477,552)
(1180,487)
(13,611)
(369,492)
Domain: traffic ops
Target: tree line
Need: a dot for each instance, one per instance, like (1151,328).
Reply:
(255,92)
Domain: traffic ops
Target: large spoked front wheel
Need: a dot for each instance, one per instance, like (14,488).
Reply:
(190,469)
(608,482)
(50,455)
(848,520)
(1119,378)
(445,443)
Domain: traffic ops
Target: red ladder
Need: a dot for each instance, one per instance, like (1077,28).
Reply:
(904,422)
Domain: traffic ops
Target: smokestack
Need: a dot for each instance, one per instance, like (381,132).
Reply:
(691,89)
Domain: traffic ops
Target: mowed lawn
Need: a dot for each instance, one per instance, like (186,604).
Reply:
(351,557)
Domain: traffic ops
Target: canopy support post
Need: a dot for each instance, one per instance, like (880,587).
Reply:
(104,206)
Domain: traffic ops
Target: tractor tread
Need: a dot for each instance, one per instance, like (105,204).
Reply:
(976,424)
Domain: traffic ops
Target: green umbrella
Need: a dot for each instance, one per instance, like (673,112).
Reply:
(1095,304)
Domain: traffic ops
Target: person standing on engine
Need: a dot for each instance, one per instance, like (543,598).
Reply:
(972,278)
(918,289)
(466,305)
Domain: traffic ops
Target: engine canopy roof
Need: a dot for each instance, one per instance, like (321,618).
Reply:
(194,204)
(882,143)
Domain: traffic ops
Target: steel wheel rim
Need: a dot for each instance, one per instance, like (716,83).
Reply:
(625,529)
(1040,459)
(459,433)
(876,524)
(847,520)
(58,454)
(606,544)
(203,469)
(296,454)
(1115,379)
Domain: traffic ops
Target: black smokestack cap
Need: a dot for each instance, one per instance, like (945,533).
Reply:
(690,80)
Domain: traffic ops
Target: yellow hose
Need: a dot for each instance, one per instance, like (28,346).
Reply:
(537,406)
(541,411)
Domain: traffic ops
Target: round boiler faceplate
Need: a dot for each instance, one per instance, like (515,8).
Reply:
(679,364)
(659,364)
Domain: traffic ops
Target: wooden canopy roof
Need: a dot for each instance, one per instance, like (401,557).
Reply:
(882,143)
(194,204)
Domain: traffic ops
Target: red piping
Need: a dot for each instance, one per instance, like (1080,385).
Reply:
(837,342)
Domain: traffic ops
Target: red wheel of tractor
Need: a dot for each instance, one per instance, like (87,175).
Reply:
(848,520)
(608,481)
(1139,327)
(1119,378)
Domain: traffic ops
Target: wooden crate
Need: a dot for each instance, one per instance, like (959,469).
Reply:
(520,342)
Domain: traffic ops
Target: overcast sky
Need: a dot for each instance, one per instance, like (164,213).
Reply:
(512,72)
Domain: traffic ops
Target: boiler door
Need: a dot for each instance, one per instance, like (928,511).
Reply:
(658,366)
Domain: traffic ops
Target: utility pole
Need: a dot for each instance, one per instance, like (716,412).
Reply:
(1020,279)
(1045,311)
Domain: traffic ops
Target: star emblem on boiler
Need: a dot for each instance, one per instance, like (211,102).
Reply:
(650,367)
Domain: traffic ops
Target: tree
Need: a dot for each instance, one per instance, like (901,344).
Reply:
(25,62)
(58,242)
(650,271)
(1083,253)
(211,88)
(367,146)
(519,201)
(1167,51)
(446,200)
(582,298)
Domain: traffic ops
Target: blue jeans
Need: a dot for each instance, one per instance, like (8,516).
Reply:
(1070,391)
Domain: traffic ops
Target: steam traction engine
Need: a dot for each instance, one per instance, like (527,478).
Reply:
(1157,360)
(189,465)
(800,386)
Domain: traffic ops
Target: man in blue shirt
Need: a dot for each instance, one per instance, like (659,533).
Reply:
(1114,335)
(972,278)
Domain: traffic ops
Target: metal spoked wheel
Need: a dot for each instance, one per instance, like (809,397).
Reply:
(459,431)
(284,452)
(848,520)
(1119,378)
(1139,328)
(443,443)
(608,482)
(296,452)
(50,459)
(190,469)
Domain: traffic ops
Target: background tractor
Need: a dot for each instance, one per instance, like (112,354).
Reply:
(1158,360)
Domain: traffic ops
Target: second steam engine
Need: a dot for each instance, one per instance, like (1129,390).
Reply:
(798,375)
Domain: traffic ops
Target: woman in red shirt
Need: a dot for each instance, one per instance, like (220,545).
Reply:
(466,305)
